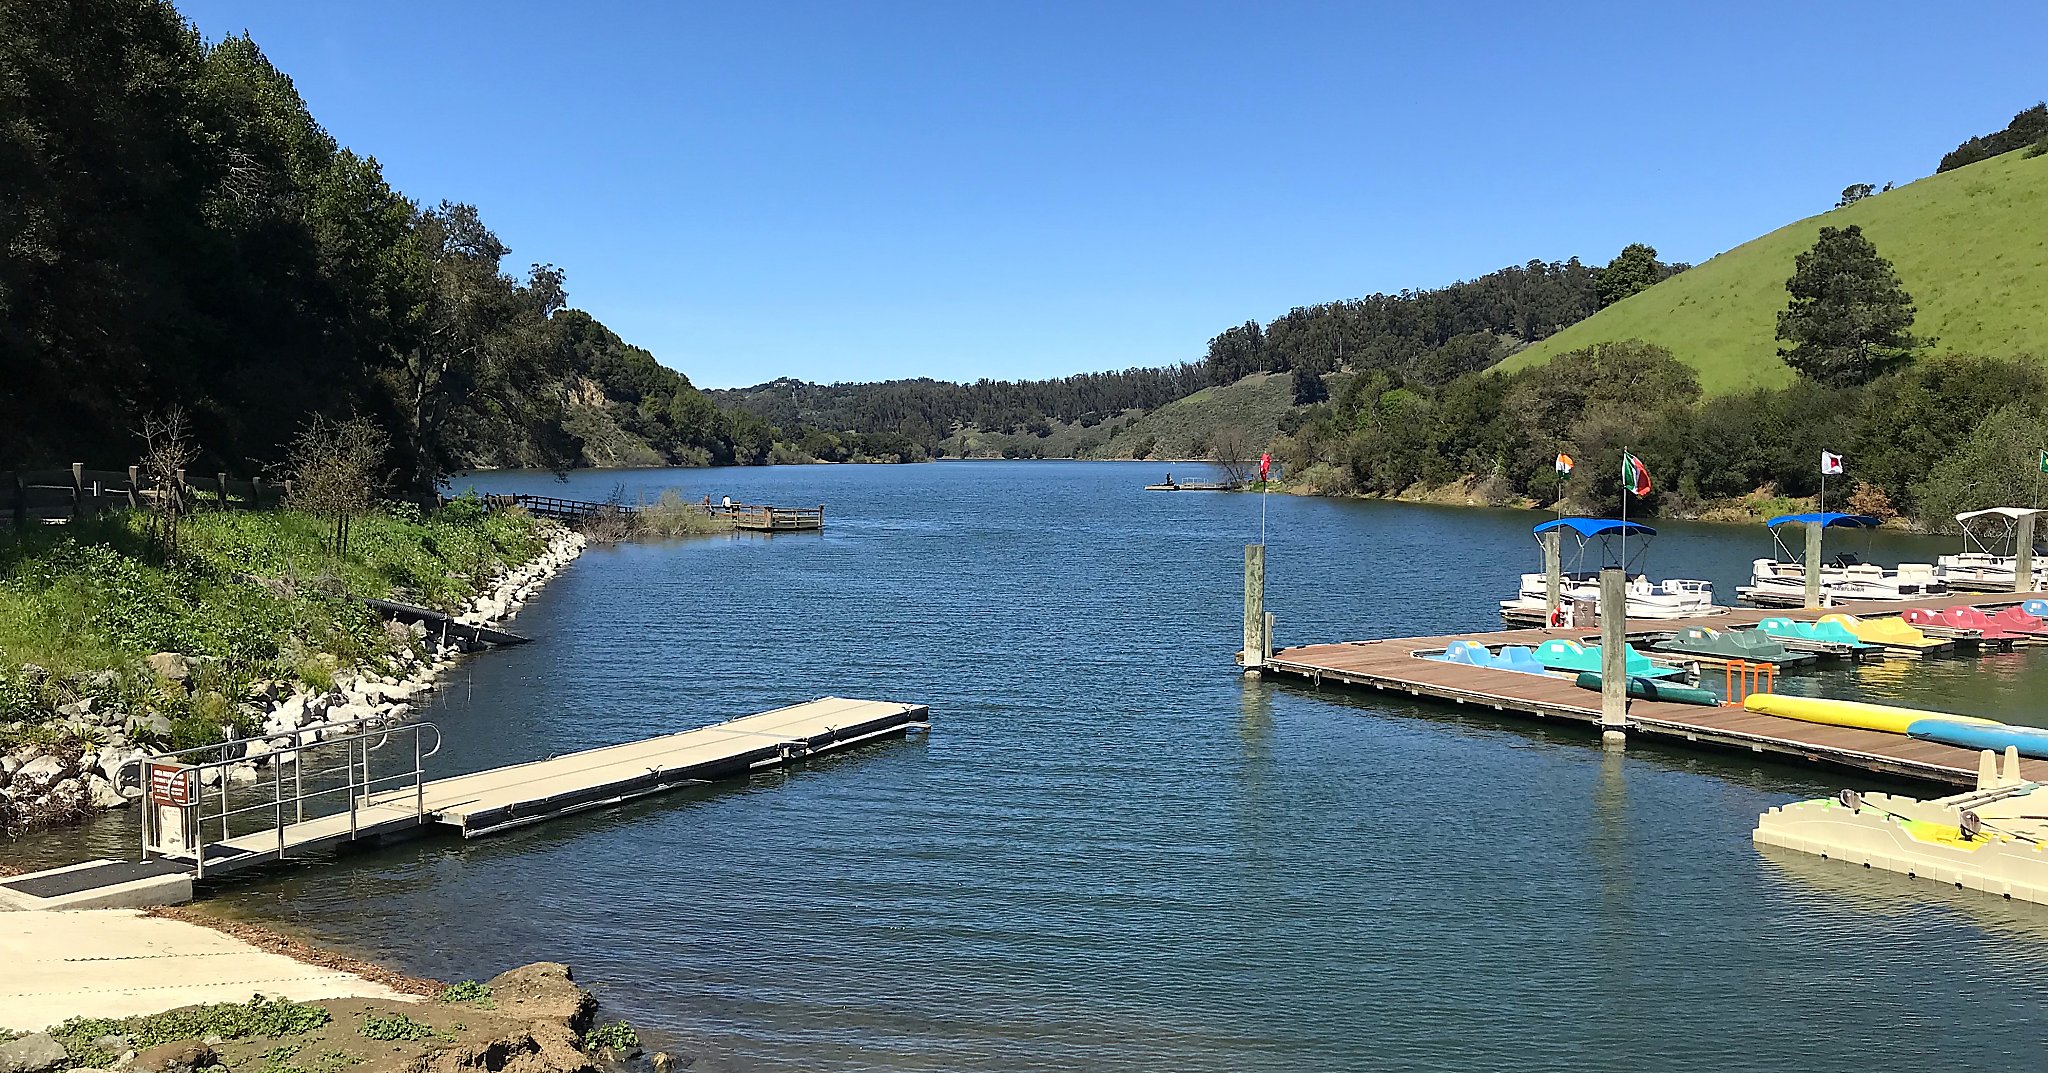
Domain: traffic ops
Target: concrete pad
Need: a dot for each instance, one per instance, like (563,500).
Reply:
(120,962)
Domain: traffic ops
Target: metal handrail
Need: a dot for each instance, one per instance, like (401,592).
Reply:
(357,781)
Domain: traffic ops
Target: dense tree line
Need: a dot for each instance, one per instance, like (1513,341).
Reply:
(1385,433)
(179,231)
(1430,337)
(2029,128)
(920,413)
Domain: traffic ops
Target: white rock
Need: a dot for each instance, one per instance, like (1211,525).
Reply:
(241,774)
(100,793)
(38,774)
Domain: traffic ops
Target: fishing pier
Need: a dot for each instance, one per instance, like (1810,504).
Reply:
(362,783)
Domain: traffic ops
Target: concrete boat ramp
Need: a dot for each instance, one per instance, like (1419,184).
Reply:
(371,779)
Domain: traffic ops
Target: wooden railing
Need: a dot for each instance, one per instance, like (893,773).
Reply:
(54,496)
(765,518)
(561,510)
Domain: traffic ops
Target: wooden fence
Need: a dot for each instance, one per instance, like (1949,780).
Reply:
(57,496)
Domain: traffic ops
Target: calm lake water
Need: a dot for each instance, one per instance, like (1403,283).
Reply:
(1110,854)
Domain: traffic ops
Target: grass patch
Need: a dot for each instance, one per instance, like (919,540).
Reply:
(617,1035)
(259,1016)
(288,1059)
(392,1027)
(468,991)
(1965,242)
(1183,428)
(254,595)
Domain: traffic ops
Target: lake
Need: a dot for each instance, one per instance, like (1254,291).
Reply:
(1111,854)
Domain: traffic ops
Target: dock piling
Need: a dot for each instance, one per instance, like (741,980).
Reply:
(1255,640)
(2023,554)
(1813,531)
(1553,574)
(1613,656)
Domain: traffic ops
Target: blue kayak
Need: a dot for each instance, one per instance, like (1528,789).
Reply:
(2032,741)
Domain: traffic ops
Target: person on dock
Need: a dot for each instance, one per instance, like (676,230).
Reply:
(726,501)
(1169,479)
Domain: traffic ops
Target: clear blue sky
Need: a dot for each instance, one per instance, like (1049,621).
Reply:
(857,191)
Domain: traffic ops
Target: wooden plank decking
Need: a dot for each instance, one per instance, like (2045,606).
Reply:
(1393,664)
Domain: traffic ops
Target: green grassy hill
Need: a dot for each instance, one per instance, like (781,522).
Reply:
(1971,246)
(1181,429)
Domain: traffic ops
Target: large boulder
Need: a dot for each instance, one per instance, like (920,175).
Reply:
(544,991)
(38,774)
(101,794)
(184,1056)
(170,666)
(32,1053)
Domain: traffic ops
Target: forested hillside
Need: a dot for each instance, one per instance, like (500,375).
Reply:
(179,231)
(1431,336)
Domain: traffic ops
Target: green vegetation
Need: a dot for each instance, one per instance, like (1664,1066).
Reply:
(466,991)
(287,1059)
(389,1027)
(184,233)
(260,1016)
(1251,409)
(2028,130)
(253,596)
(617,1035)
(1929,439)
(1965,243)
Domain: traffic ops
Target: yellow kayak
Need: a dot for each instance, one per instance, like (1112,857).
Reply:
(1849,713)
(1892,632)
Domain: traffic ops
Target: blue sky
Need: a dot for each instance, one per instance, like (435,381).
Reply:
(854,191)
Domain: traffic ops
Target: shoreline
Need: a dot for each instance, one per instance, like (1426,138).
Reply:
(108,778)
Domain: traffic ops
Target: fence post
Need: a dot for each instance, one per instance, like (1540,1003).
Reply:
(134,487)
(256,493)
(77,491)
(20,499)
(287,492)
(221,482)
(178,491)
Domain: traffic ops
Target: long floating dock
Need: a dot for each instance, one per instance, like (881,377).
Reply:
(484,802)
(1396,665)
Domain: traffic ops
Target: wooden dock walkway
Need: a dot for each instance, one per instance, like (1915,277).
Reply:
(1395,665)
(476,804)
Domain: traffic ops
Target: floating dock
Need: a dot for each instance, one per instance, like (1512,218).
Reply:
(1396,665)
(403,803)
(757,518)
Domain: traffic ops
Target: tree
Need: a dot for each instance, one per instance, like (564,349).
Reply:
(1856,192)
(1231,449)
(336,468)
(1634,269)
(2026,128)
(1848,317)
(167,449)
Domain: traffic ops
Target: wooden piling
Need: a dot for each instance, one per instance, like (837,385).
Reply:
(1254,609)
(1553,574)
(2023,554)
(1613,654)
(1813,531)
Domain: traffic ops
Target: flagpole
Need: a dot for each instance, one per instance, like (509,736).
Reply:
(1626,488)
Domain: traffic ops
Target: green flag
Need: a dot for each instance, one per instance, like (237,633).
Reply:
(2044,461)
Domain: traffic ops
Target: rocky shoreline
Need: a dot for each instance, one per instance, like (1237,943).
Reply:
(97,766)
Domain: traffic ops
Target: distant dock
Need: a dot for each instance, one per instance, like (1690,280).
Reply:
(1395,665)
(198,824)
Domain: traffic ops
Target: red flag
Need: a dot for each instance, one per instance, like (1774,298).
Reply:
(1265,465)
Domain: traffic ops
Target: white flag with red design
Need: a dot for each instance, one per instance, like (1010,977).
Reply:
(1830,462)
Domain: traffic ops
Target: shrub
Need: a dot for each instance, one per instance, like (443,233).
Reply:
(617,1035)
(393,1026)
(259,1016)
(466,991)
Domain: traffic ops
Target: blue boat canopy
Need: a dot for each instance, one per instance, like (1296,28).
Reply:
(1596,526)
(1826,520)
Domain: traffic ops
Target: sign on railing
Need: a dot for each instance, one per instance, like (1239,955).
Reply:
(168,785)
